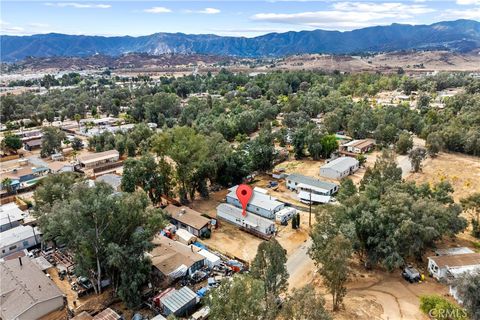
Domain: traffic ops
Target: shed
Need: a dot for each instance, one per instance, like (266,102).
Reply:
(211,260)
(179,302)
(188,219)
(185,237)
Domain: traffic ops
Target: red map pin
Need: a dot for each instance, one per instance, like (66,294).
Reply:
(244,193)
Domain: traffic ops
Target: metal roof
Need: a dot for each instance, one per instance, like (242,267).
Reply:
(10,213)
(23,287)
(295,177)
(258,199)
(341,164)
(457,260)
(17,234)
(178,299)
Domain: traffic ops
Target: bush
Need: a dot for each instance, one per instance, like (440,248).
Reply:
(440,308)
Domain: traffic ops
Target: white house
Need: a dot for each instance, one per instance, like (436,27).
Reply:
(10,216)
(339,168)
(440,267)
(309,188)
(18,238)
(260,203)
(251,221)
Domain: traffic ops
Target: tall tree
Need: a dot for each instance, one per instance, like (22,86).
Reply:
(404,143)
(11,143)
(472,203)
(240,298)
(416,157)
(51,141)
(305,304)
(332,261)
(269,266)
(434,144)
(468,290)
(108,233)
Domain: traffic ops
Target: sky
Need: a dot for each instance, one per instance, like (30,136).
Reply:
(226,18)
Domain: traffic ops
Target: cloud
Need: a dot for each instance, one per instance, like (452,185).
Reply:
(209,11)
(38,25)
(204,11)
(77,5)
(468,2)
(157,10)
(349,15)
(473,14)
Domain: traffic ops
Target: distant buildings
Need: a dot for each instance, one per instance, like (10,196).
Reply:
(99,163)
(357,147)
(26,292)
(339,168)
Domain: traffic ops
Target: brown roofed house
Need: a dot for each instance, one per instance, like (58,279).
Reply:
(26,292)
(188,219)
(172,259)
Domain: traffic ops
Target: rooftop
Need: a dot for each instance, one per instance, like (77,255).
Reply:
(359,143)
(311,181)
(23,286)
(187,216)
(14,235)
(258,199)
(457,260)
(341,164)
(93,157)
(169,255)
(251,219)
(9,213)
(177,299)
(112,179)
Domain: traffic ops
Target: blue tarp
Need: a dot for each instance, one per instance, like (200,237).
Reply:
(202,292)
(198,244)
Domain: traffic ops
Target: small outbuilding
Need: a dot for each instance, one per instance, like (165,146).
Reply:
(179,302)
(188,219)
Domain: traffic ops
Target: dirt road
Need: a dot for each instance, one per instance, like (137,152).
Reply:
(300,266)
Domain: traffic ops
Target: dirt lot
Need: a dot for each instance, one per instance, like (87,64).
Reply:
(462,171)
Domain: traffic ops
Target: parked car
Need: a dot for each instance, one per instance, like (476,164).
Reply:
(411,274)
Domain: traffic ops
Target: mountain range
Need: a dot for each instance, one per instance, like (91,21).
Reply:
(459,35)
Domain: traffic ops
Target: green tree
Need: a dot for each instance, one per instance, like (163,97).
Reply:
(7,184)
(332,261)
(190,152)
(11,143)
(439,308)
(240,298)
(77,144)
(346,190)
(467,285)
(305,304)
(434,144)
(269,266)
(416,157)
(329,144)
(404,143)
(106,232)
(472,203)
(51,141)
(131,147)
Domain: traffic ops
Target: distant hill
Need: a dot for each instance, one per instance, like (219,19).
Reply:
(459,35)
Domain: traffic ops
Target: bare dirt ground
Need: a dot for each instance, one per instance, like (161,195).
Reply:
(462,171)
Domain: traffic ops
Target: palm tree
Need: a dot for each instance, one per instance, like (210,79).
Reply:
(7,184)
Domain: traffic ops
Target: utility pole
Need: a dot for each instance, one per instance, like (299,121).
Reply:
(310,210)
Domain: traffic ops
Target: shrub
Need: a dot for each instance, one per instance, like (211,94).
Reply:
(440,308)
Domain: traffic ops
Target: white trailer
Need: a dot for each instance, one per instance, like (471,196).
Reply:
(285,214)
(251,221)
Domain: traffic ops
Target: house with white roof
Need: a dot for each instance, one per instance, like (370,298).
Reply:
(251,222)
(10,216)
(311,189)
(260,203)
(339,168)
(18,238)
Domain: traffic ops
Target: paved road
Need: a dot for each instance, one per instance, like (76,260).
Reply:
(299,265)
